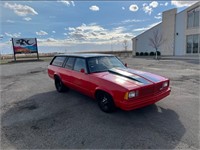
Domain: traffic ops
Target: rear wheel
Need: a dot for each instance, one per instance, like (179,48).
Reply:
(105,102)
(59,85)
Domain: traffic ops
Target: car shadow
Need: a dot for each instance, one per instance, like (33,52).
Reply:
(70,120)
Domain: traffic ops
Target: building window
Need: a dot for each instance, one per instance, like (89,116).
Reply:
(193,18)
(193,44)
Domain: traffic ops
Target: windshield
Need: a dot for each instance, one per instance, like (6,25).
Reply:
(104,63)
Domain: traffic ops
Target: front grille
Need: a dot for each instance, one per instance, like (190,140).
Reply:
(152,89)
(145,91)
(158,87)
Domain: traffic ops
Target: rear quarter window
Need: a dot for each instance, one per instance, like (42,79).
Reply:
(80,64)
(58,61)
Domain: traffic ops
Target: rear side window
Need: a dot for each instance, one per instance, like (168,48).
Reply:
(80,64)
(70,63)
(58,61)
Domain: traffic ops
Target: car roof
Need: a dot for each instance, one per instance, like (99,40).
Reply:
(85,55)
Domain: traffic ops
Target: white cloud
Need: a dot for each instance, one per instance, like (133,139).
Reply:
(14,35)
(128,21)
(27,18)
(154,4)
(96,33)
(164,4)
(94,8)
(72,2)
(146,28)
(158,16)
(21,10)
(51,40)
(123,8)
(92,35)
(133,20)
(133,8)
(147,9)
(41,32)
(10,21)
(183,3)
(53,31)
(67,3)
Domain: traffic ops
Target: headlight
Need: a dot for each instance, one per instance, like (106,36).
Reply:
(165,84)
(130,94)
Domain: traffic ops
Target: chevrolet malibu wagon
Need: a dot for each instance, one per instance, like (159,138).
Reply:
(105,78)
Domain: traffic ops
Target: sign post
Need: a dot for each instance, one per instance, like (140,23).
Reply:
(13,50)
(24,46)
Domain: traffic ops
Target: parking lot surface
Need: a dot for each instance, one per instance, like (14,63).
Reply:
(35,116)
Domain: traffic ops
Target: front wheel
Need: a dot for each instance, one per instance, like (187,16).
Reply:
(59,85)
(105,102)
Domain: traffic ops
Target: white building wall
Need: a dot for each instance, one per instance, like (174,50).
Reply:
(168,31)
(180,38)
(141,42)
(174,30)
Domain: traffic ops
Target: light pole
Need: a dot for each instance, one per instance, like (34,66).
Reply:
(1,52)
(111,44)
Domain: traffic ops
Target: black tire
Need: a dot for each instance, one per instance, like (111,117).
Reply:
(105,102)
(59,85)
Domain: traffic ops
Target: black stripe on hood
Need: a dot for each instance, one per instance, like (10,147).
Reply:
(129,75)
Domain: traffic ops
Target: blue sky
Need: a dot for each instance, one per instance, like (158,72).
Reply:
(69,26)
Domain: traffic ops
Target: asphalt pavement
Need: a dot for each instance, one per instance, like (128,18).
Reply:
(35,116)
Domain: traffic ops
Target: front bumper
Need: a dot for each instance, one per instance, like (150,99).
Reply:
(145,101)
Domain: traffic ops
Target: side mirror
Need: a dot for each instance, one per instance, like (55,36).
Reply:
(82,70)
(126,65)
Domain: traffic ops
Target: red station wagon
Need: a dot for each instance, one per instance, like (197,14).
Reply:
(106,79)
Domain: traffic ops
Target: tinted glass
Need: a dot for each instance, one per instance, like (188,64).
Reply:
(193,18)
(190,19)
(195,43)
(80,64)
(189,43)
(70,63)
(196,19)
(58,61)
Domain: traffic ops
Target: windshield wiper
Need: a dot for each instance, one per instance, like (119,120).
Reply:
(99,71)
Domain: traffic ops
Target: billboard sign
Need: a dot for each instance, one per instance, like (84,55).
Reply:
(24,45)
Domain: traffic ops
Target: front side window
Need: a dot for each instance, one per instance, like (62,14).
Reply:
(103,63)
(58,61)
(80,64)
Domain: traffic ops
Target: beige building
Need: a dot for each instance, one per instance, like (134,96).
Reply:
(180,33)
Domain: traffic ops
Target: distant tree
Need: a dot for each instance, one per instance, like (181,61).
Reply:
(1,51)
(125,46)
(156,41)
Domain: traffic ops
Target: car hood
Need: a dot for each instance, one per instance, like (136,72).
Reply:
(130,78)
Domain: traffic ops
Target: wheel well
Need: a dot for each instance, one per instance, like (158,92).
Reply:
(56,77)
(101,91)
